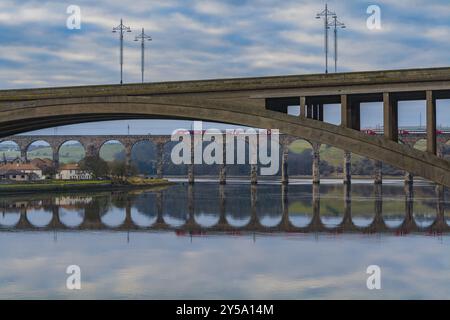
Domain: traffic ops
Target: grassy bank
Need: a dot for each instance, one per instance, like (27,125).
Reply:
(83,185)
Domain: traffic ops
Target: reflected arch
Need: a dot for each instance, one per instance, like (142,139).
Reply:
(269,207)
(363,202)
(425,205)
(144,210)
(331,206)
(393,212)
(114,217)
(206,208)
(9,219)
(39,218)
(71,218)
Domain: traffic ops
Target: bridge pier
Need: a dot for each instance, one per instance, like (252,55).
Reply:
(316,222)
(223,174)
(284,164)
(254,174)
(431,122)
(159,160)
(390,117)
(23,154)
(191,178)
(378,172)
(55,158)
(223,166)
(160,208)
(347,169)
(316,163)
(347,220)
(409,178)
(127,160)
(191,206)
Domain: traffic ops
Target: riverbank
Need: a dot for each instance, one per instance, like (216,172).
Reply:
(81,185)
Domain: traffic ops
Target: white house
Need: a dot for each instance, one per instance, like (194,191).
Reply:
(72,172)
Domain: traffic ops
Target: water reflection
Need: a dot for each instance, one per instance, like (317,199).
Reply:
(211,208)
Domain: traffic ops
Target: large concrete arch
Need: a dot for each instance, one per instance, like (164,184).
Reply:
(23,116)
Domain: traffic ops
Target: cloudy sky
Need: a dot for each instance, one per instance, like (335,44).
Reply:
(200,39)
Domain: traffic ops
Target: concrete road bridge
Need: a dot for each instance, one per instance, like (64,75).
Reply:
(256,102)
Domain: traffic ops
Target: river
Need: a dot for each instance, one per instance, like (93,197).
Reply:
(228,242)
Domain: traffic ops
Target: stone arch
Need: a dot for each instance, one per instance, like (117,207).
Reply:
(77,148)
(9,149)
(112,152)
(47,153)
(300,158)
(331,161)
(147,165)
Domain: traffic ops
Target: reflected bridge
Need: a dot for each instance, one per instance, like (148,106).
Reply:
(93,217)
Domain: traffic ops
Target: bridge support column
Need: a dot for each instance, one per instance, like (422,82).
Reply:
(316,163)
(160,160)
(302,107)
(92,151)
(347,172)
(223,166)
(55,158)
(378,172)
(223,174)
(431,123)
(127,161)
(350,113)
(23,154)
(159,208)
(315,221)
(191,178)
(284,164)
(191,205)
(254,174)
(222,206)
(390,117)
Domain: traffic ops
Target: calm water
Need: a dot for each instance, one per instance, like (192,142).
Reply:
(237,241)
